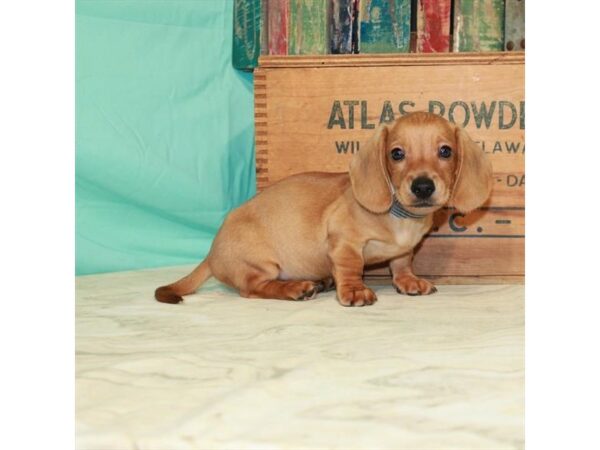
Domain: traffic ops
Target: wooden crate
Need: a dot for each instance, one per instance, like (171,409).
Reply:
(313,112)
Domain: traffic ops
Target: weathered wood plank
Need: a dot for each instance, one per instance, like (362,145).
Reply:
(308,27)
(514,25)
(343,26)
(278,15)
(433,26)
(478,25)
(264,28)
(246,34)
(384,26)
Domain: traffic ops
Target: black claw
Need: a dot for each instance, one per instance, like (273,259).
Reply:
(328,284)
(399,291)
(307,294)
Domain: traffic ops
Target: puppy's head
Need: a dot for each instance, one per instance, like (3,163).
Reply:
(426,161)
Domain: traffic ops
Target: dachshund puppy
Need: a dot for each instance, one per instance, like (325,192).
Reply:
(308,231)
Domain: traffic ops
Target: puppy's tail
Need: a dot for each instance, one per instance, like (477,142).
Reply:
(187,285)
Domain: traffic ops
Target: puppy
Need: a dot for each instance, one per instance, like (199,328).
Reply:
(311,230)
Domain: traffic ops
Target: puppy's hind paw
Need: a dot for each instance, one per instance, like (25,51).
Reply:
(308,290)
(308,295)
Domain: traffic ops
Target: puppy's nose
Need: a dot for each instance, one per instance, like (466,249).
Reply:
(422,187)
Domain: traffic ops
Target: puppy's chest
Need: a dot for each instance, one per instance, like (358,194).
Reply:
(400,237)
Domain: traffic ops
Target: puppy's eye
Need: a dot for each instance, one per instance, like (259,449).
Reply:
(397,154)
(445,152)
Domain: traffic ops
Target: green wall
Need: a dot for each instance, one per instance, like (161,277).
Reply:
(164,131)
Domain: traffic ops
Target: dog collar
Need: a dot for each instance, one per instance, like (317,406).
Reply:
(397,210)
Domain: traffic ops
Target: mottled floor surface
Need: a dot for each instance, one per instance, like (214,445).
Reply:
(221,372)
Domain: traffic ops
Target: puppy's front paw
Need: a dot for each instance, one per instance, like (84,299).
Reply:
(411,285)
(356,296)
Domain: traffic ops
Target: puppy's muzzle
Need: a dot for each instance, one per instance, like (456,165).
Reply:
(422,187)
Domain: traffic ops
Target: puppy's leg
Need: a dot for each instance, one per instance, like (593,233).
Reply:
(348,264)
(264,284)
(405,281)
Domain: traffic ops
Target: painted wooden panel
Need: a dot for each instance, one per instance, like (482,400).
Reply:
(433,26)
(343,99)
(264,29)
(246,34)
(384,26)
(514,25)
(308,27)
(478,25)
(278,15)
(343,26)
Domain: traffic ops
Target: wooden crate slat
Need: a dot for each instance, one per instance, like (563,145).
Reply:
(433,26)
(478,25)
(384,26)
(246,34)
(398,59)
(308,27)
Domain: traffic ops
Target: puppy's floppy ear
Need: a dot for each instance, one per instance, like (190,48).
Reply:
(369,176)
(473,182)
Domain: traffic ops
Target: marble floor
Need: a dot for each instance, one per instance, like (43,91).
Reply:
(221,372)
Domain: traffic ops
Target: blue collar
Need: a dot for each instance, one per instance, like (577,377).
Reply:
(397,210)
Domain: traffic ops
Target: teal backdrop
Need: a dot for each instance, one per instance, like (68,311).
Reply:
(164,131)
